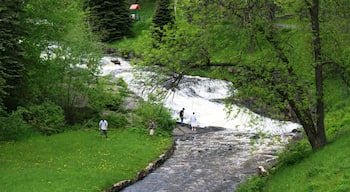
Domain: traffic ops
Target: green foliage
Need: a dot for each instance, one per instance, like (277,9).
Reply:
(323,170)
(14,127)
(107,94)
(263,48)
(160,114)
(11,52)
(294,153)
(109,19)
(47,118)
(116,120)
(163,16)
(141,41)
(255,184)
(62,60)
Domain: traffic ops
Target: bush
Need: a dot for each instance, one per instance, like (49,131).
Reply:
(159,113)
(115,120)
(109,94)
(13,127)
(294,153)
(47,118)
(254,184)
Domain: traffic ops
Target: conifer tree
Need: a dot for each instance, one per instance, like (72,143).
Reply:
(109,19)
(11,50)
(162,16)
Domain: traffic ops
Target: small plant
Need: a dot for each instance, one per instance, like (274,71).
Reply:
(294,153)
(253,184)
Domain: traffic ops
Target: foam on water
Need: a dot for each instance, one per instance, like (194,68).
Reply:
(202,96)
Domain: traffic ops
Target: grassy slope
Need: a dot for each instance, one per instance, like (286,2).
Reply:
(327,169)
(77,160)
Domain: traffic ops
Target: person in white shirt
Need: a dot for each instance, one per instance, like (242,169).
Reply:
(103,127)
(193,122)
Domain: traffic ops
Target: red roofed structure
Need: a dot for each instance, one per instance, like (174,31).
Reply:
(134,7)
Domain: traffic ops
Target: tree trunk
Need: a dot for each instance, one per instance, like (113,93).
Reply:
(317,139)
(313,127)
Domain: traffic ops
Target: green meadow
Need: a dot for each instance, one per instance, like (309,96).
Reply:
(77,160)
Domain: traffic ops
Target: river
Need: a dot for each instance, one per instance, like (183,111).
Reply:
(208,160)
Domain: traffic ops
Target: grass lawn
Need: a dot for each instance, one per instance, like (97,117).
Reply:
(77,160)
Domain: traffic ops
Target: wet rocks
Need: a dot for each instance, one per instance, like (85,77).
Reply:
(209,161)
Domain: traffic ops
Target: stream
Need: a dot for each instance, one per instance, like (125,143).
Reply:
(222,152)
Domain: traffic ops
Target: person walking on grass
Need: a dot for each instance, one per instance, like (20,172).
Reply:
(193,122)
(151,128)
(103,127)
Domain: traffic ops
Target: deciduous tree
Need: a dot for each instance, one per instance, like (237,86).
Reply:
(267,49)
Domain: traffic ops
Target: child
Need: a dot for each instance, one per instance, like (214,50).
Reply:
(151,127)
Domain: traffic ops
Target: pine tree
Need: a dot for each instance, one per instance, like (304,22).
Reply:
(11,50)
(163,16)
(109,19)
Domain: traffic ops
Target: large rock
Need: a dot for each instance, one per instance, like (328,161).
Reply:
(130,102)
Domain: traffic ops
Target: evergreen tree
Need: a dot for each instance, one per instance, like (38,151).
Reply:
(11,51)
(109,19)
(162,17)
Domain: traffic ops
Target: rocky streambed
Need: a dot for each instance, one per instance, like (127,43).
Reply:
(210,159)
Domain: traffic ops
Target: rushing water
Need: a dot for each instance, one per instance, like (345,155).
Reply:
(208,160)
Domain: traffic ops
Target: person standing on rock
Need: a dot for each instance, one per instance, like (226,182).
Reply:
(151,128)
(182,116)
(103,127)
(193,121)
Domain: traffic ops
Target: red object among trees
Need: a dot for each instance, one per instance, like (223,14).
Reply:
(134,7)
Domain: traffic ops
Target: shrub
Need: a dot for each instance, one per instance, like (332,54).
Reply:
(109,94)
(253,184)
(294,153)
(47,118)
(115,120)
(13,127)
(159,113)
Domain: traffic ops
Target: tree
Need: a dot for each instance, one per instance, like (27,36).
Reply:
(62,57)
(163,16)
(267,61)
(109,19)
(11,52)
(317,134)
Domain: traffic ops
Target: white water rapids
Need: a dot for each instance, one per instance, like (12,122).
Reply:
(199,97)
(208,161)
